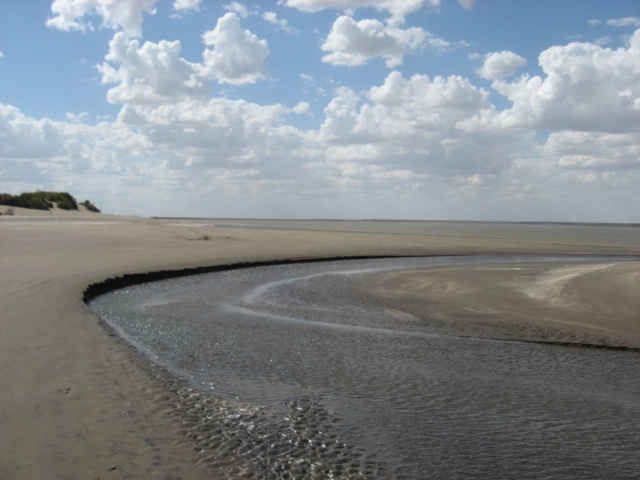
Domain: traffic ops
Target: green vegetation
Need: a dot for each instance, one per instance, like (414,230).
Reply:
(44,201)
(40,200)
(90,206)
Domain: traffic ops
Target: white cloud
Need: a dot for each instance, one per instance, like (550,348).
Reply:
(154,73)
(237,8)
(186,4)
(420,93)
(281,23)
(403,130)
(126,15)
(237,56)
(57,150)
(340,115)
(594,151)
(398,8)
(606,40)
(468,4)
(301,108)
(410,125)
(585,88)
(76,117)
(500,64)
(151,73)
(24,138)
(354,43)
(1,55)
(624,22)
(212,134)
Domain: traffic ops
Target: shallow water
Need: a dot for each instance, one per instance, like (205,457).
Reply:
(320,380)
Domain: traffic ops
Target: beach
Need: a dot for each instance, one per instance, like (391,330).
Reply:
(76,402)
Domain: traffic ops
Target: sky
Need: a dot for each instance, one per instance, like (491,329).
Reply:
(344,109)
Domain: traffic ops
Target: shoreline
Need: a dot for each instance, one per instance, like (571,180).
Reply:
(75,402)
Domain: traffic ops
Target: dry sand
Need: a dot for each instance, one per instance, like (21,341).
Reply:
(76,403)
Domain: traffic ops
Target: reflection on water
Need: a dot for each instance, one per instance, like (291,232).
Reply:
(296,373)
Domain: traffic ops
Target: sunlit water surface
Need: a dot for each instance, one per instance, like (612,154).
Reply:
(323,381)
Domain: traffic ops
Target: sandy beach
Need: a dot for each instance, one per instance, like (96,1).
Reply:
(77,403)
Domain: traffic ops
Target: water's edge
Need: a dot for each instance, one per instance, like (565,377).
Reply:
(96,289)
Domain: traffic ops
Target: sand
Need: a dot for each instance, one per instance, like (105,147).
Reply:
(594,305)
(77,403)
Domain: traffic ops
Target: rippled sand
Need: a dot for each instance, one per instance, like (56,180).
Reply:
(592,304)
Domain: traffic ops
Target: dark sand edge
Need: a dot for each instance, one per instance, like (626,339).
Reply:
(75,402)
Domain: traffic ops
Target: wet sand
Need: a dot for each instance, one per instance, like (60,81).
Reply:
(592,304)
(75,402)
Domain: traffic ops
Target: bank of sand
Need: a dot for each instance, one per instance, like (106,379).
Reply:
(590,304)
(77,403)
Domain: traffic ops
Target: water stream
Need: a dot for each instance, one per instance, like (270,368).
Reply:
(294,372)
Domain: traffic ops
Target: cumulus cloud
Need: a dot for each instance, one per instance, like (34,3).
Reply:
(196,138)
(23,137)
(151,73)
(411,125)
(70,14)
(585,88)
(594,151)
(354,43)
(237,56)
(420,93)
(500,64)
(340,115)
(155,73)
(50,150)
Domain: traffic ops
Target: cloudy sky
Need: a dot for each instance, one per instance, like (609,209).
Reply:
(397,109)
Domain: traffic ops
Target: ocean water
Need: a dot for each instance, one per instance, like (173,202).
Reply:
(292,371)
(626,234)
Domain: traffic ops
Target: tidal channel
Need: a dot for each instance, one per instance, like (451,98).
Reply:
(293,371)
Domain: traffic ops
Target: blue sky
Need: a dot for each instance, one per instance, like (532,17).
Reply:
(408,109)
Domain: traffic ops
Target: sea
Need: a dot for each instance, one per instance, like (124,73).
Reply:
(293,371)
(616,233)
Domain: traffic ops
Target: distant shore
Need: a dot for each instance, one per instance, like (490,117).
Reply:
(77,403)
